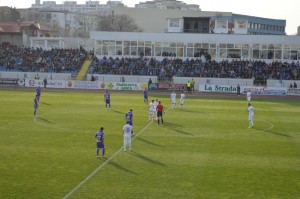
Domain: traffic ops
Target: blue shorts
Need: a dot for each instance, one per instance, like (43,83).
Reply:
(100,145)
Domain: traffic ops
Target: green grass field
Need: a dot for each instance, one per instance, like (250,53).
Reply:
(204,150)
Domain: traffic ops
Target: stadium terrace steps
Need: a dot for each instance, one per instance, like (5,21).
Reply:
(83,70)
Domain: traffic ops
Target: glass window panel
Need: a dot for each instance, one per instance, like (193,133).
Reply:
(133,43)
(119,50)
(190,45)
(234,53)
(104,50)
(99,42)
(169,52)
(205,45)
(157,51)
(295,47)
(180,44)
(245,53)
(223,53)
(245,46)
(158,44)
(133,51)
(230,45)
(213,53)
(286,46)
(190,52)
(197,45)
(119,43)
(238,45)
(256,46)
(271,46)
(141,43)
(277,54)
(126,43)
(264,54)
(256,54)
(286,54)
(98,51)
(223,45)
(127,50)
(166,44)
(213,45)
(179,52)
(111,50)
(277,46)
(141,51)
(147,43)
(173,45)
(147,51)
(264,46)
(294,55)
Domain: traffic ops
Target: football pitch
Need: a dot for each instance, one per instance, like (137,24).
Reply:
(204,150)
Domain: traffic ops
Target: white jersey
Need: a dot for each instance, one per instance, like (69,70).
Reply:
(248,96)
(127,130)
(152,107)
(173,97)
(182,96)
(251,111)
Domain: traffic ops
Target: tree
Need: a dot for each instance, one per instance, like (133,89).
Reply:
(118,23)
(9,15)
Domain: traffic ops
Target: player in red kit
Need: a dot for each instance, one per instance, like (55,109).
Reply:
(160,109)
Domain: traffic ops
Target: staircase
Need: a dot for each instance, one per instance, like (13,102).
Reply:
(85,66)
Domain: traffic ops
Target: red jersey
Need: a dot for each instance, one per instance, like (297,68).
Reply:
(159,107)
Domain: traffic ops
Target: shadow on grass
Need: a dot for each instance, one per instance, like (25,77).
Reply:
(147,159)
(45,103)
(115,111)
(273,132)
(191,111)
(116,165)
(148,142)
(175,127)
(45,120)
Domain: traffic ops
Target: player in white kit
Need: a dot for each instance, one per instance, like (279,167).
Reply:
(173,99)
(251,111)
(182,96)
(248,96)
(152,110)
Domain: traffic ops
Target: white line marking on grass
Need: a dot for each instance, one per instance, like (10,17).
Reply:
(271,125)
(103,164)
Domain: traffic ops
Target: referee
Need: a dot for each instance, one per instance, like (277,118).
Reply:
(160,109)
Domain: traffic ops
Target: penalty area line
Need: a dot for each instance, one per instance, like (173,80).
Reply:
(103,164)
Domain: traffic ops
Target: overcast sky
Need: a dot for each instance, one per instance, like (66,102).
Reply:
(277,9)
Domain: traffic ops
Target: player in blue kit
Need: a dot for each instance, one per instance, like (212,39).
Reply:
(35,106)
(129,118)
(38,92)
(100,142)
(107,99)
(146,96)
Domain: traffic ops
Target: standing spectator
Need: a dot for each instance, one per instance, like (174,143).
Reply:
(250,110)
(146,96)
(188,86)
(38,92)
(107,99)
(129,118)
(182,96)
(295,85)
(149,83)
(45,83)
(248,96)
(159,110)
(238,90)
(100,142)
(35,106)
(193,85)
(127,129)
(173,99)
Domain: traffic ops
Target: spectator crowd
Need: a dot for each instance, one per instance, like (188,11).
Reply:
(13,58)
(26,59)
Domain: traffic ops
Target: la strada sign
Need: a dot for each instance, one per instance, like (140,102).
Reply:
(218,88)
